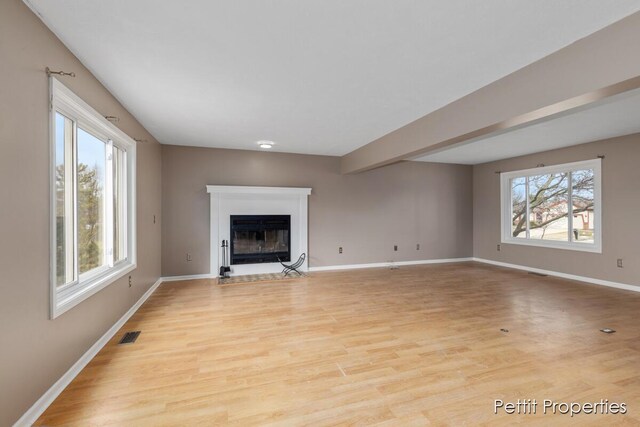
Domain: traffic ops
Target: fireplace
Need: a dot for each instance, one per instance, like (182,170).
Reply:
(259,239)
(227,201)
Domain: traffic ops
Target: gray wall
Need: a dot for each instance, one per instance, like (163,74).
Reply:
(35,351)
(621,213)
(404,204)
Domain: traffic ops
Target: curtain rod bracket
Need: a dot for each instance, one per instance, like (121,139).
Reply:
(112,118)
(601,156)
(139,140)
(49,72)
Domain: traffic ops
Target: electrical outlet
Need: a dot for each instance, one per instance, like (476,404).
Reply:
(499,248)
(130,282)
(340,250)
(395,247)
(417,246)
(188,257)
(620,263)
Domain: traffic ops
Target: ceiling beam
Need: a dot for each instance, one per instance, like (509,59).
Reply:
(603,64)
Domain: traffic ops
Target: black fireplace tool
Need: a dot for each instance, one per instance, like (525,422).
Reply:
(224,268)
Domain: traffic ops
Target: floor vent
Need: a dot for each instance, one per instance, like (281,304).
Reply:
(129,337)
(538,274)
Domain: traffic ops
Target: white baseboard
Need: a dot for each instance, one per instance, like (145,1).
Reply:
(388,264)
(187,277)
(54,391)
(591,280)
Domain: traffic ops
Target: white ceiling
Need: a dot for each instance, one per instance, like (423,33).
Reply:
(317,76)
(613,117)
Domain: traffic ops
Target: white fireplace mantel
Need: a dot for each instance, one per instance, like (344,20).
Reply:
(227,200)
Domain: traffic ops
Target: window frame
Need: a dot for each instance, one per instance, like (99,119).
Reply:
(62,100)
(506,206)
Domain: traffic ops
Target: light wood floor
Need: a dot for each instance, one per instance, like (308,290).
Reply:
(417,346)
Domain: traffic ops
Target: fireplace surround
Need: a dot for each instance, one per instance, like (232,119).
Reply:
(227,201)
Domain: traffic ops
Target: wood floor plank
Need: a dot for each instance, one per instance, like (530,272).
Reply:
(421,345)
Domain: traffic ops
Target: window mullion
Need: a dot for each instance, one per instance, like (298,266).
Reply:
(570,207)
(122,203)
(526,180)
(507,194)
(69,191)
(74,166)
(108,205)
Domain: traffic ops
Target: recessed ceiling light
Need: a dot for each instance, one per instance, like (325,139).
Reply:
(265,144)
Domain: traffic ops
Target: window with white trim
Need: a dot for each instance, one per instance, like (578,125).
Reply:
(92,198)
(555,206)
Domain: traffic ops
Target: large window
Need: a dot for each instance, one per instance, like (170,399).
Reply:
(93,201)
(556,206)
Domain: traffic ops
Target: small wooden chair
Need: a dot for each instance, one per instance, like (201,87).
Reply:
(288,268)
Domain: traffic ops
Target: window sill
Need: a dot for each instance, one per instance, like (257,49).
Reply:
(569,246)
(61,304)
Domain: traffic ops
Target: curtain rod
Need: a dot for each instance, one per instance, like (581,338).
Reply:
(49,72)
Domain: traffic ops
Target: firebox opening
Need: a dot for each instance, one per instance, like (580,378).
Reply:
(260,238)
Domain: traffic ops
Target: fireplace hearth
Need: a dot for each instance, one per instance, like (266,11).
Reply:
(259,239)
